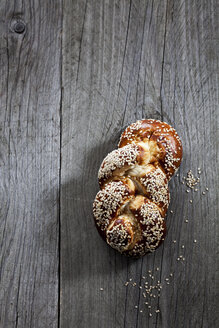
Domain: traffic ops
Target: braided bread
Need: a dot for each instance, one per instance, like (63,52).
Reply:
(129,209)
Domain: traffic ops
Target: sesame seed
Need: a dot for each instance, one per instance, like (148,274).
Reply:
(186,221)
(157,311)
(158,269)
(190,200)
(195,241)
(136,306)
(141,311)
(183,246)
(101,289)
(150,314)
(171,274)
(203,193)
(149,306)
(171,211)
(174,241)
(206,188)
(126,284)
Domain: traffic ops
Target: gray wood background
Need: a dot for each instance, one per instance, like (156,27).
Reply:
(73,75)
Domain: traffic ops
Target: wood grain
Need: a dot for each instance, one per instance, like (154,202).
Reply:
(30,151)
(124,61)
(73,76)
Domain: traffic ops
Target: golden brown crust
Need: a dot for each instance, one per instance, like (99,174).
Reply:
(163,135)
(129,209)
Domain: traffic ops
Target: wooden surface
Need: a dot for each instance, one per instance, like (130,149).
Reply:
(73,75)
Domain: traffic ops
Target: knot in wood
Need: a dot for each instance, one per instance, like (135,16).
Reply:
(19,26)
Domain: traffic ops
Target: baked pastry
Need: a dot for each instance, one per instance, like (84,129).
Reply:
(130,208)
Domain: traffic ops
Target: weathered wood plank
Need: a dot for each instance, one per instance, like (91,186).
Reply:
(112,68)
(123,61)
(30,152)
(190,100)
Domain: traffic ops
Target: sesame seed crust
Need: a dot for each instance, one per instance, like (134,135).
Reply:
(156,188)
(152,225)
(108,202)
(129,209)
(166,138)
(122,158)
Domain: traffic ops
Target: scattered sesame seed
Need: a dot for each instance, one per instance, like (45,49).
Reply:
(168,283)
(191,180)
(126,284)
(140,287)
(130,279)
(146,303)
(149,306)
(171,211)
(143,277)
(186,221)
(136,306)
(206,188)
(195,241)
(183,258)
(158,269)
(150,314)
(178,259)
(174,241)
(190,200)
(141,311)
(196,189)
(203,193)
(101,289)
(183,246)
(171,274)
(157,311)
(134,284)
